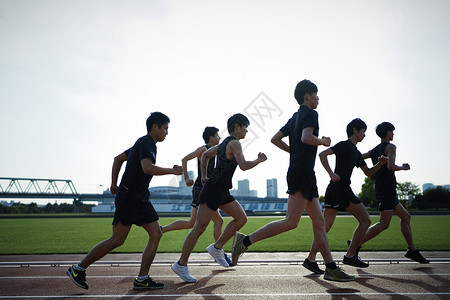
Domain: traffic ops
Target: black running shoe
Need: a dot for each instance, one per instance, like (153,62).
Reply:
(147,283)
(357,250)
(354,261)
(312,266)
(416,256)
(78,276)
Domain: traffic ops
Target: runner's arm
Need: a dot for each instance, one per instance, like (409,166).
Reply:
(117,165)
(149,168)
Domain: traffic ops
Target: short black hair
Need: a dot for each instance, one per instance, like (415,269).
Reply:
(156,118)
(383,128)
(304,87)
(209,131)
(355,123)
(237,119)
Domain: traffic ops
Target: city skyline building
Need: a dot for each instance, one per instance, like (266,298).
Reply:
(243,189)
(272,188)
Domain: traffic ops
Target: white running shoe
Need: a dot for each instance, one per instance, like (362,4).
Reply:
(183,272)
(218,255)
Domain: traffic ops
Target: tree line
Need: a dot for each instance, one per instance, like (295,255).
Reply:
(33,208)
(409,195)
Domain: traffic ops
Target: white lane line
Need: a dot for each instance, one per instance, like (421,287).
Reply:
(221,295)
(228,276)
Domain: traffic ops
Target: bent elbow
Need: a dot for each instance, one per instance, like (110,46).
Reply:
(306,141)
(118,160)
(243,168)
(148,171)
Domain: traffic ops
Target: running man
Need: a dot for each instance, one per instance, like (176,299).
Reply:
(211,138)
(133,204)
(216,194)
(339,195)
(302,130)
(386,192)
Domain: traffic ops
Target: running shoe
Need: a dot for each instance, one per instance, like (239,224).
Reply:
(227,258)
(218,255)
(312,266)
(354,261)
(238,247)
(416,256)
(147,283)
(183,272)
(78,276)
(337,275)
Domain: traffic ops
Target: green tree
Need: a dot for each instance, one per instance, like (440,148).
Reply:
(406,191)
(367,194)
(421,202)
(438,197)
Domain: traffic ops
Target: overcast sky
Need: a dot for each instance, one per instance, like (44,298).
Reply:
(79,78)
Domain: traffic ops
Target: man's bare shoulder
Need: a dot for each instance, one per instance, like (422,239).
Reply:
(234,145)
(391,146)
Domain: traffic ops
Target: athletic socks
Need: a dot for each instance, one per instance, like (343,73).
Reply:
(331,265)
(77,266)
(246,241)
(140,278)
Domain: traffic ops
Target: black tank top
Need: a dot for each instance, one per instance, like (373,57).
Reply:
(211,165)
(385,181)
(224,170)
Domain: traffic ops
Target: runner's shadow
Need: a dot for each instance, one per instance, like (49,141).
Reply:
(430,271)
(403,281)
(200,287)
(180,289)
(377,288)
(337,292)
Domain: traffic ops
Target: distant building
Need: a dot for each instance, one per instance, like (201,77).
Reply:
(243,189)
(272,188)
(169,190)
(428,186)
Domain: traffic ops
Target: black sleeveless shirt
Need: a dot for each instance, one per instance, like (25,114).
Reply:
(385,181)
(224,170)
(210,168)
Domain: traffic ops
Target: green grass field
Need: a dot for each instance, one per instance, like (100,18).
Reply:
(79,235)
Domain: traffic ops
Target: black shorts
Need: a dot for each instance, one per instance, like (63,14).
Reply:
(306,183)
(196,196)
(133,208)
(387,203)
(339,195)
(215,195)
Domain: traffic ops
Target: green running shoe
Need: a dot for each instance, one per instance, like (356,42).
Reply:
(337,275)
(238,247)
